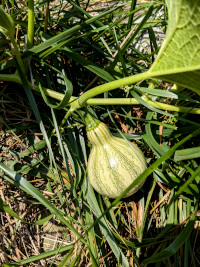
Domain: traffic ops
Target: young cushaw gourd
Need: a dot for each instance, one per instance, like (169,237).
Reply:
(113,162)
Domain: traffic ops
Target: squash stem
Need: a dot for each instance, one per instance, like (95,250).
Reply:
(102,101)
(110,86)
(91,122)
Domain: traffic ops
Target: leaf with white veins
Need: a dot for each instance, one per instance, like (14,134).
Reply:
(178,60)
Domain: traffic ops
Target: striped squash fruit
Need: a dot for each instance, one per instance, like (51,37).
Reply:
(113,162)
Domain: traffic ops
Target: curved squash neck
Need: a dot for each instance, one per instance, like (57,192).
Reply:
(98,132)
(100,135)
(91,122)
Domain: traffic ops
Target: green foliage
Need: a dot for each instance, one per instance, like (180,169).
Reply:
(7,25)
(178,59)
(64,55)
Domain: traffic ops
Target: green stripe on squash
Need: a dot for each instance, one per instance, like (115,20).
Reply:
(113,163)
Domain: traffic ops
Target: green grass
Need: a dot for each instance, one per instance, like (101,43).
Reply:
(60,53)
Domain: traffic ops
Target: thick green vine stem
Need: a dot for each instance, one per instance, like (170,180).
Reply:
(16,79)
(100,101)
(91,122)
(108,87)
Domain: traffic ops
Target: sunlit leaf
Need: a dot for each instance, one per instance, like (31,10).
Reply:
(178,60)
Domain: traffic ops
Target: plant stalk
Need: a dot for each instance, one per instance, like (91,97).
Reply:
(30,24)
(102,101)
(108,87)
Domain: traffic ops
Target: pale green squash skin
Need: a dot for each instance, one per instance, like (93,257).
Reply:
(113,165)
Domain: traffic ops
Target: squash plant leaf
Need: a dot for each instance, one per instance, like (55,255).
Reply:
(178,60)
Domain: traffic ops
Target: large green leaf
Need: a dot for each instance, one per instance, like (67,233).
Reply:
(178,60)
